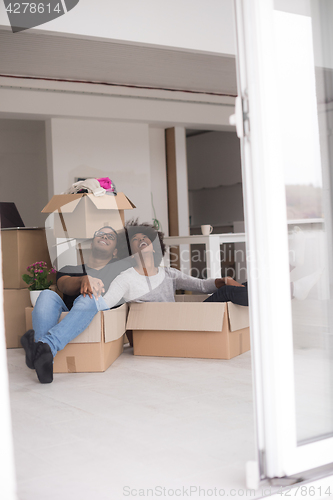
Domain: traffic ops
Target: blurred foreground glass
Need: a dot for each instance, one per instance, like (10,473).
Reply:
(304,49)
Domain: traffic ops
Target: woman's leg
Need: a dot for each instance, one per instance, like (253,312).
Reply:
(236,294)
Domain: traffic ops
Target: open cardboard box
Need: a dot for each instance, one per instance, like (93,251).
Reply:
(95,349)
(189,328)
(20,248)
(80,215)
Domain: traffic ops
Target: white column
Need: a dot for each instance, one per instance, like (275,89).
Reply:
(158,177)
(182,184)
(213,257)
(182,197)
(49,158)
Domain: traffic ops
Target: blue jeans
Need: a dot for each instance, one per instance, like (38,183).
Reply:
(46,314)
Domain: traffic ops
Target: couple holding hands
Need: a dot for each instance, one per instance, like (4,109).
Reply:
(106,281)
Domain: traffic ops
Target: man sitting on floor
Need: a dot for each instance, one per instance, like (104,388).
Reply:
(81,285)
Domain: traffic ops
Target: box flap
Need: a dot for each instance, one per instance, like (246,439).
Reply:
(176,316)
(106,202)
(115,323)
(238,316)
(129,201)
(92,334)
(67,203)
(20,229)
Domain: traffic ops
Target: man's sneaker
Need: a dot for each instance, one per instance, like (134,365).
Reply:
(29,345)
(43,363)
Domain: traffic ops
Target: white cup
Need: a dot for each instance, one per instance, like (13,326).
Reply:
(206,229)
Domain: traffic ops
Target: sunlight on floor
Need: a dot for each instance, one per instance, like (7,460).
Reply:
(144,423)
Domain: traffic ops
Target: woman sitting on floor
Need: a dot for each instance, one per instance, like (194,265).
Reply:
(147,281)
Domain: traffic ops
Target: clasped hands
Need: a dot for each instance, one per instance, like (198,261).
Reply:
(91,286)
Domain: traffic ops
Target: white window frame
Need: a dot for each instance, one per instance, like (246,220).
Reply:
(8,477)
(267,242)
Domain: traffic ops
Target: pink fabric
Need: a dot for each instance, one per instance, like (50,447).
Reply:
(105,182)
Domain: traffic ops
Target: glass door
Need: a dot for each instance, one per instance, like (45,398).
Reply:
(285,119)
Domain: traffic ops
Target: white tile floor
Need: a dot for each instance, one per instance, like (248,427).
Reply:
(144,423)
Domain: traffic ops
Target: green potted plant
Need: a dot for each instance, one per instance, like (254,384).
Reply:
(38,279)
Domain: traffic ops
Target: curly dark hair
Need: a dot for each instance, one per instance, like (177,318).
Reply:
(133,227)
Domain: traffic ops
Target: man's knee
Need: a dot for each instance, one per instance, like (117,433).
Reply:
(233,293)
(238,295)
(47,304)
(47,297)
(85,303)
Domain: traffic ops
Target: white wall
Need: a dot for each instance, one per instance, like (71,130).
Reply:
(214,178)
(23,168)
(190,24)
(91,148)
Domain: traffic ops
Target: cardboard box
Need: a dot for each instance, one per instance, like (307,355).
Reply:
(80,215)
(188,329)
(20,248)
(95,349)
(14,304)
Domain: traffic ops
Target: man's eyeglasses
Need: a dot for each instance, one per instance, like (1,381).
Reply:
(100,234)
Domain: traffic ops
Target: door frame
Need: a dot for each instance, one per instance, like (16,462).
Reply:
(278,454)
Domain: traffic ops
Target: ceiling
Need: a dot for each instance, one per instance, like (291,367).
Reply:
(43,55)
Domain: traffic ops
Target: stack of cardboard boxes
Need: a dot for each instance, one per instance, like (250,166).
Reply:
(21,247)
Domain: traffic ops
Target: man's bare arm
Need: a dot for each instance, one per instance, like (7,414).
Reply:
(86,285)
(70,285)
